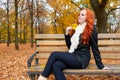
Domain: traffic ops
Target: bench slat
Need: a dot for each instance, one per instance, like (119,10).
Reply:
(38,69)
(109,36)
(52,42)
(62,42)
(109,42)
(93,72)
(52,48)
(49,36)
(103,55)
(64,49)
(109,49)
(110,55)
(61,36)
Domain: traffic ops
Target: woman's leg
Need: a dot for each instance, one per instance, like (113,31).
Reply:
(58,67)
(67,58)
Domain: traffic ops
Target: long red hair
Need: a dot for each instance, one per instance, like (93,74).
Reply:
(89,27)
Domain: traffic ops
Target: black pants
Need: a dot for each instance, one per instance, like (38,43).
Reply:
(58,61)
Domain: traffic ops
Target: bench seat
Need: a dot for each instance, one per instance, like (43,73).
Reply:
(116,72)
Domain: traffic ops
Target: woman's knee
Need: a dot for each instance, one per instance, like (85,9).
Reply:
(59,65)
(56,64)
(54,53)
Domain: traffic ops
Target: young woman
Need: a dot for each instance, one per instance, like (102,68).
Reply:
(79,44)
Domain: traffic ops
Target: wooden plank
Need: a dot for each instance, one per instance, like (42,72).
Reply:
(51,42)
(110,49)
(42,55)
(92,72)
(111,66)
(61,36)
(109,35)
(62,42)
(64,49)
(52,48)
(103,55)
(116,72)
(49,36)
(110,56)
(109,42)
(93,66)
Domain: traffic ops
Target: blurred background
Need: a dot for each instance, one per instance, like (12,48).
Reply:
(21,19)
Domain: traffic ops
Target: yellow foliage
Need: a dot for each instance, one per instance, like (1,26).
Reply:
(74,26)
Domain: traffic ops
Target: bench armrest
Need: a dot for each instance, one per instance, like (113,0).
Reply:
(31,59)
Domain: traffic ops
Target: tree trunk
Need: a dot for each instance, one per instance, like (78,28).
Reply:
(31,31)
(101,20)
(16,25)
(37,22)
(21,28)
(54,23)
(31,18)
(0,37)
(8,27)
(24,35)
(101,15)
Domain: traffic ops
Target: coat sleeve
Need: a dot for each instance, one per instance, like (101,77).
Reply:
(95,50)
(67,40)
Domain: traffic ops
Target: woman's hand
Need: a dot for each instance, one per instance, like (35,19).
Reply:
(69,31)
(105,68)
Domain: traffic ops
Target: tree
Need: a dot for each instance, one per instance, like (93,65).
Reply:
(30,6)
(8,30)
(6,5)
(101,14)
(16,24)
(20,23)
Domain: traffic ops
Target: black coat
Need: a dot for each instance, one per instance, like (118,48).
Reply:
(83,50)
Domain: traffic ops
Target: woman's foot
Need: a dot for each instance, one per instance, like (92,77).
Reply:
(42,78)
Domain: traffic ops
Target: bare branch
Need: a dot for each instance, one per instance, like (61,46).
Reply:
(76,5)
(103,3)
(23,10)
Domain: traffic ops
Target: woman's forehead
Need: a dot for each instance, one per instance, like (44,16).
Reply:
(83,11)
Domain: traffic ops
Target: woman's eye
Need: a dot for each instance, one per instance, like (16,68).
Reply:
(81,15)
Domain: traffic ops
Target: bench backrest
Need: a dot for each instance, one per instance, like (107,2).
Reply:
(109,45)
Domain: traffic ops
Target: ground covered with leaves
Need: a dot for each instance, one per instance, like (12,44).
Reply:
(13,64)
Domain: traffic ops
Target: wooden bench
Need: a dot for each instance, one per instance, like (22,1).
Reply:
(109,46)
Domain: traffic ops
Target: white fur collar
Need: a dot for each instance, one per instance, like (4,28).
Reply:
(75,38)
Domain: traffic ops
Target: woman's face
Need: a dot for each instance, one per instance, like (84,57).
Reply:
(82,17)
